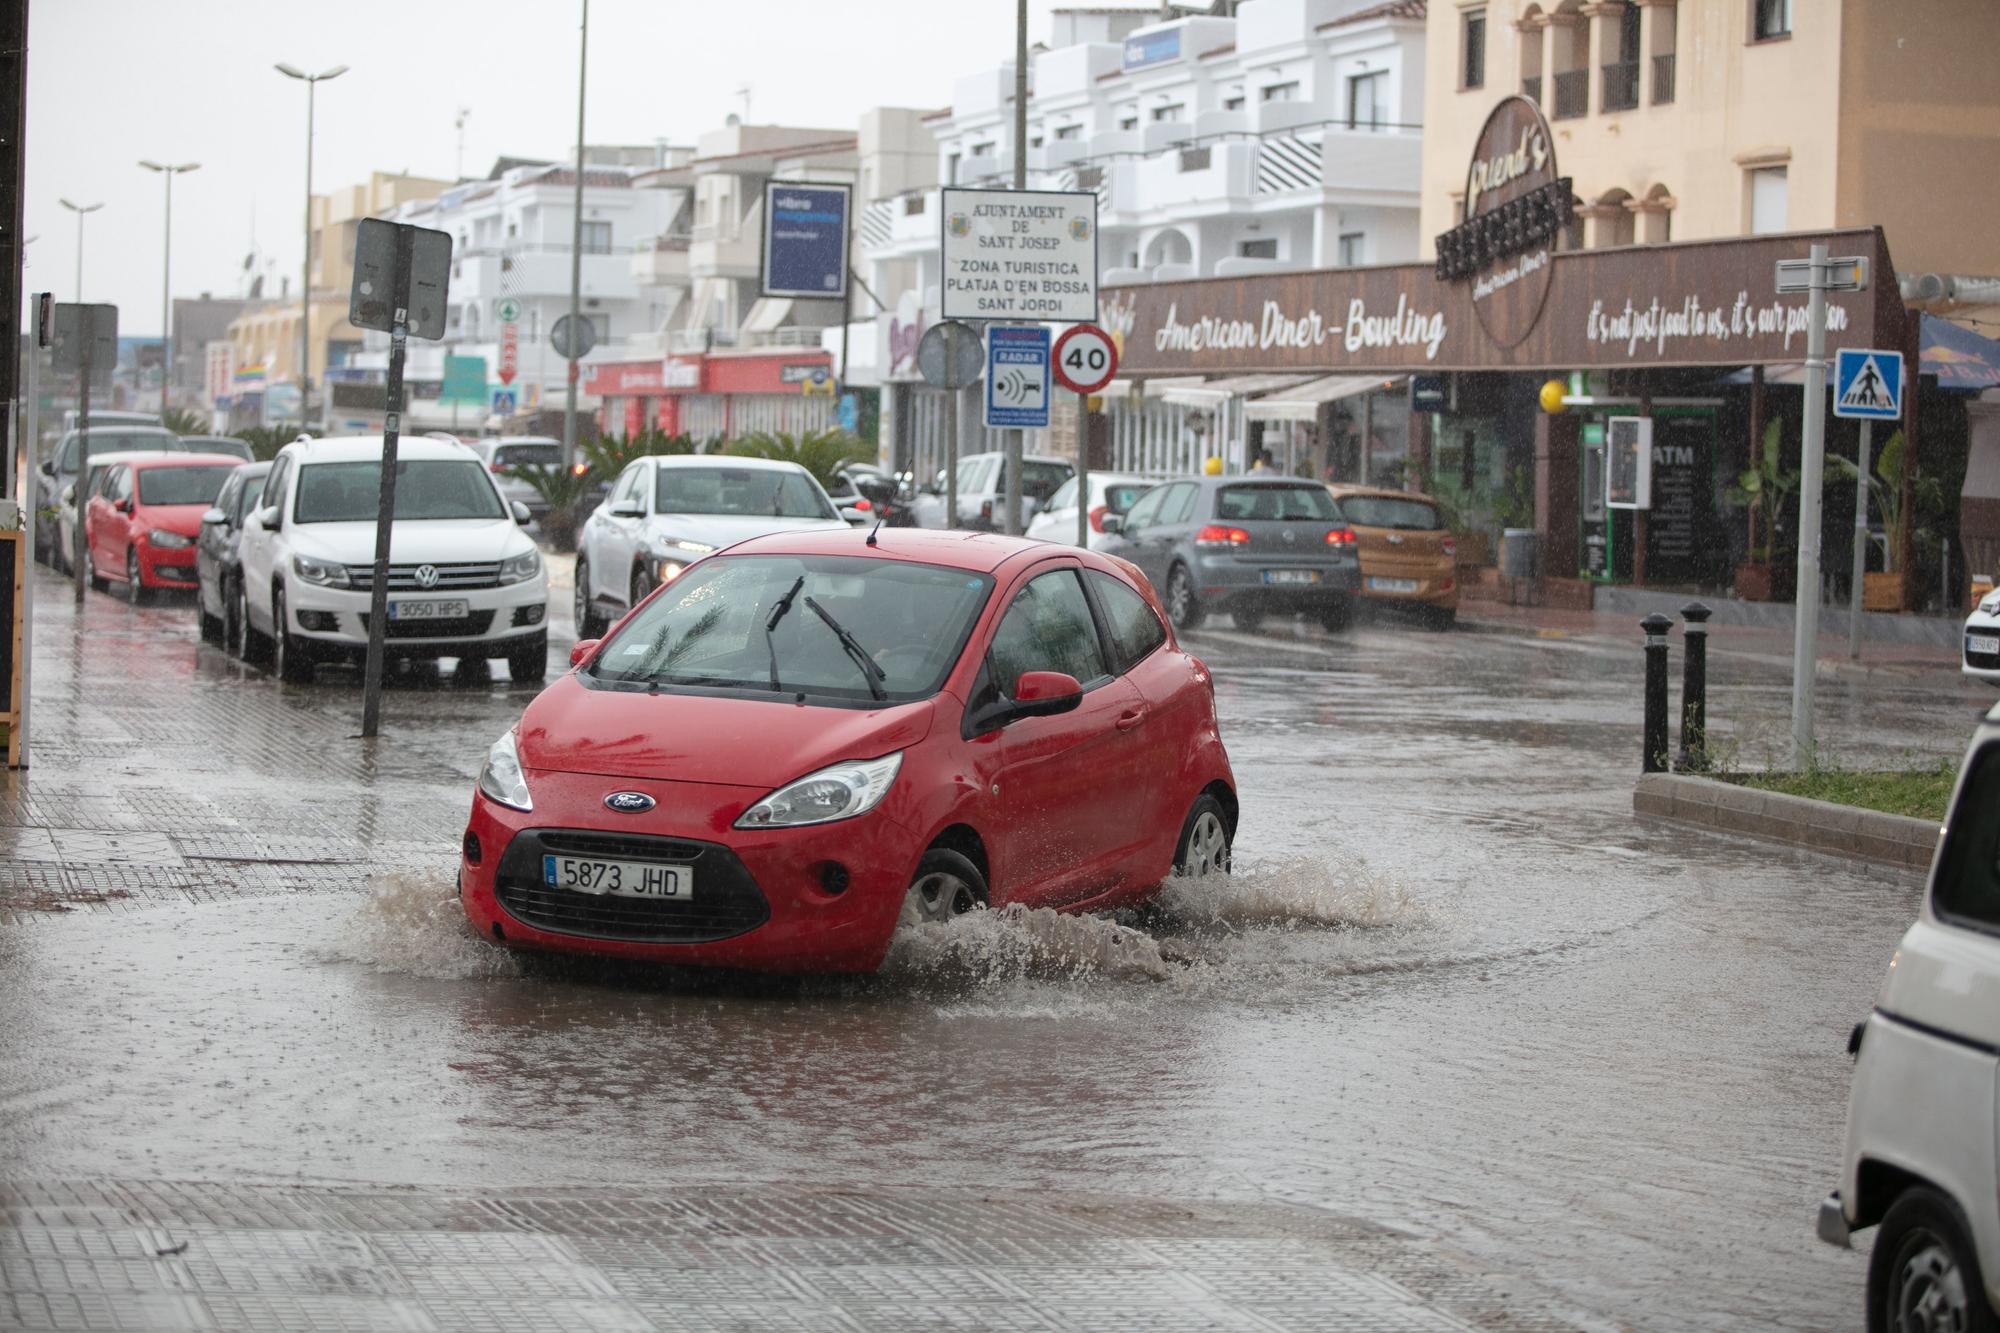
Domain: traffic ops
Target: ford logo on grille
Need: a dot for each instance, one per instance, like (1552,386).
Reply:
(427,576)
(629,802)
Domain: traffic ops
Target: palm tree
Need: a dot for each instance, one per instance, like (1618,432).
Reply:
(820,452)
(563,490)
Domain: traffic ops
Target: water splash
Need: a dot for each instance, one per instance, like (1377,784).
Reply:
(411,922)
(1019,943)
(1293,894)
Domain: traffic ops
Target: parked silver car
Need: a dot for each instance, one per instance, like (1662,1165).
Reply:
(502,454)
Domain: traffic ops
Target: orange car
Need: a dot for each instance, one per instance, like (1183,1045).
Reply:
(1407,554)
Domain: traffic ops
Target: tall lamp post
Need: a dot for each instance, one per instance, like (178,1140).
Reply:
(81,210)
(311,82)
(576,247)
(169,171)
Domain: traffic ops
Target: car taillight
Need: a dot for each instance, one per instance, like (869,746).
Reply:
(496,467)
(986,509)
(1448,545)
(863,505)
(579,468)
(1340,537)
(1217,535)
(1097,517)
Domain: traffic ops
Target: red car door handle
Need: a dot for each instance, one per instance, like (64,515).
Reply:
(1131,718)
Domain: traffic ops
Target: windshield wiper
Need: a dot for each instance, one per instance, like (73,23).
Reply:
(784,604)
(871,670)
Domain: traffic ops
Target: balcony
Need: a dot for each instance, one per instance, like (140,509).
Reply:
(1621,87)
(1532,89)
(1663,79)
(728,251)
(1369,164)
(661,261)
(1572,94)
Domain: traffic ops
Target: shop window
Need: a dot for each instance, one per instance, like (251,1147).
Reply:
(1472,60)
(1281,92)
(1353,248)
(1771,20)
(1768,191)
(1263,248)
(1368,101)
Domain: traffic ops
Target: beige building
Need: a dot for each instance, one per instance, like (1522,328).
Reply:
(1702,118)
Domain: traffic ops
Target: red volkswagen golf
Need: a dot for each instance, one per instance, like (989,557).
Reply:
(141,523)
(773,758)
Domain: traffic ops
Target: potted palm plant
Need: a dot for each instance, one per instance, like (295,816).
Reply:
(1884,591)
(1763,488)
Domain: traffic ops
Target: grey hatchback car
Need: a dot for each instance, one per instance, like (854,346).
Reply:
(1251,546)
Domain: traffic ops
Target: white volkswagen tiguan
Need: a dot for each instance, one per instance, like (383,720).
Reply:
(464,580)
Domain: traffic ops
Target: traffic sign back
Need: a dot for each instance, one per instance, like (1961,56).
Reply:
(950,355)
(1868,384)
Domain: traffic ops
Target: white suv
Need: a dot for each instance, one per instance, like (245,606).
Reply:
(464,580)
(1923,1129)
(665,512)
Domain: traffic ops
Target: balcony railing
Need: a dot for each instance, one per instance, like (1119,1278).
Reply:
(1532,89)
(1621,86)
(1572,94)
(1663,79)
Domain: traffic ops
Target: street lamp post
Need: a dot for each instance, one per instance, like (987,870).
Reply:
(169,171)
(576,247)
(81,210)
(311,82)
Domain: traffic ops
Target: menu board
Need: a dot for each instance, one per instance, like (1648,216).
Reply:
(1682,448)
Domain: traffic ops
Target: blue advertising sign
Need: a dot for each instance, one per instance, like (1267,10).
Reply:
(1017,376)
(1868,384)
(1152,48)
(805,240)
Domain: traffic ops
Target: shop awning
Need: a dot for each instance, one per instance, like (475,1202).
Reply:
(1302,402)
(767,314)
(1210,392)
(1960,358)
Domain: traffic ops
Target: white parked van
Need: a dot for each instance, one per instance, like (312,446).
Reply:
(1923,1130)
(464,580)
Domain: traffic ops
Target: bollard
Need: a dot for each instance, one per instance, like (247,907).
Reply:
(1654,760)
(1694,690)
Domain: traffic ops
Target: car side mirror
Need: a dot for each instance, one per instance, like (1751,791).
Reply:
(122,506)
(521,514)
(855,515)
(878,489)
(267,519)
(1112,523)
(581,650)
(628,510)
(213,517)
(1044,694)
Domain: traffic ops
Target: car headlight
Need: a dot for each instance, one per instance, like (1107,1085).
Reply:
(167,541)
(840,792)
(1990,604)
(521,568)
(324,573)
(674,548)
(502,779)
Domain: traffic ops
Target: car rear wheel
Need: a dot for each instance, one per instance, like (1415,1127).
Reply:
(1183,607)
(945,887)
(135,586)
(1338,615)
(1923,1274)
(288,651)
(588,624)
(1248,617)
(1204,844)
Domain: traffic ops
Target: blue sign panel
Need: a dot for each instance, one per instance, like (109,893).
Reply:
(506,402)
(1017,376)
(1868,384)
(805,240)
(1152,48)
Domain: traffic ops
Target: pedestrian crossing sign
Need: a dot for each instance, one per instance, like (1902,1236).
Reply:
(1868,384)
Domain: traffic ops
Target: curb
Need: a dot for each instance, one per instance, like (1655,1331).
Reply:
(1822,826)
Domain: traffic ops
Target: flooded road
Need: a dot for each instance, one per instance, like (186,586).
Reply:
(1454,987)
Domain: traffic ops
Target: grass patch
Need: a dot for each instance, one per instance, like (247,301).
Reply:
(1921,793)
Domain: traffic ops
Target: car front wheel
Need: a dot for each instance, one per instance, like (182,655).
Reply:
(528,660)
(288,652)
(1182,605)
(588,625)
(1923,1274)
(946,886)
(135,586)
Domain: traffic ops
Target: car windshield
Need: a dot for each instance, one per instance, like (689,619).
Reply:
(425,488)
(1039,480)
(1387,511)
(537,455)
(182,485)
(116,438)
(707,629)
(210,444)
(1303,502)
(1120,498)
(776,492)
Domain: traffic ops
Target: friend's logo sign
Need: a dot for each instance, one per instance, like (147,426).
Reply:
(1516,209)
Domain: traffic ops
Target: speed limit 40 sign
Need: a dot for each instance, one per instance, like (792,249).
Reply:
(1085,358)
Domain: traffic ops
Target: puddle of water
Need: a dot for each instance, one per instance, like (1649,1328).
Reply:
(411,923)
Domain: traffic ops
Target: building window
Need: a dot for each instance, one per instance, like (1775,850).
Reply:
(1263,248)
(1034,141)
(597,238)
(1233,102)
(1768,190)
(1353,248)
(1368,101)
(1069,131)
(982,149)
(1128,122)
(1772,19)
(951,168)
(1472,67)
(1280,92)
(1172,111)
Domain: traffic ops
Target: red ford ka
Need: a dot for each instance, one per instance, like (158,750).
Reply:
(774,758)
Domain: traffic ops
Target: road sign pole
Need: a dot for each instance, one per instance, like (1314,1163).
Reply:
(31,454)
(951,428)
(1805,635)
(1083,470)
(1860,541)
(87,326)
(385,506)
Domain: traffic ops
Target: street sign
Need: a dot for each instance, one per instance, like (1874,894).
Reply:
(1846,274)
(509,310)
(1017,376)
(1868,384)
(1628,472)
(1020,255)
(95,324)
(510,352)
(1086,358)
(585,338)
(369,303)
(950,355)
(805,240)
(464,380)
(506,402)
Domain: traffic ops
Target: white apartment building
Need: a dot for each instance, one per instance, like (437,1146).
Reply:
(1286,135)
(511,238)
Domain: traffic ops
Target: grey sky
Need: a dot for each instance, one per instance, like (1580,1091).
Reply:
(114,81)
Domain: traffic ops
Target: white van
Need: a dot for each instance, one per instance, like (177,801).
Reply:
(1923,1130)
